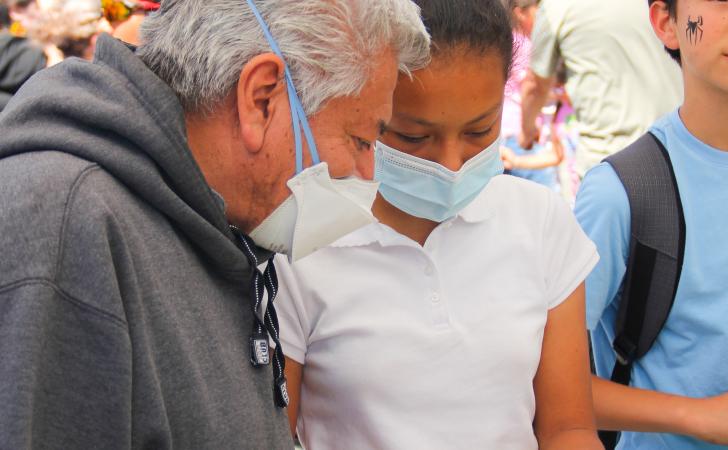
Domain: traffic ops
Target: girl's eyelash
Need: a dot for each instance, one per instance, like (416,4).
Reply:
(481,133)
(411,139)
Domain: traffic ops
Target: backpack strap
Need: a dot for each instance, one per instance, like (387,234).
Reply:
(656,251)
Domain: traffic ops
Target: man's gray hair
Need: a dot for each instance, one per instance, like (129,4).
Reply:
(199,47)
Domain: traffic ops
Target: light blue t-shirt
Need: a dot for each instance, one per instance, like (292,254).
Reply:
(690,356)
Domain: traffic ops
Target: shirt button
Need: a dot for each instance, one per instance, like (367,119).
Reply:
(435,297)
(429,270)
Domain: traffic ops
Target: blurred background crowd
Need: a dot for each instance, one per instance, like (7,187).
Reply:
(35,34)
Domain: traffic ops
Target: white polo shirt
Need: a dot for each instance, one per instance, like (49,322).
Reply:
(436,347)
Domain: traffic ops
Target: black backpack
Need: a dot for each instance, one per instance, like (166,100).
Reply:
(656,251)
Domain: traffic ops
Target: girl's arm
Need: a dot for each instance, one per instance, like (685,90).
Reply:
(564,410)
(294,374)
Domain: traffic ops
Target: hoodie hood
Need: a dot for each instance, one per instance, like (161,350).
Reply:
(117,113)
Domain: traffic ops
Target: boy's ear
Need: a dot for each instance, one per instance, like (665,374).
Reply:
(664,25)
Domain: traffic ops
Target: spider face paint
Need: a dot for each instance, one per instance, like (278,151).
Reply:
(694,30)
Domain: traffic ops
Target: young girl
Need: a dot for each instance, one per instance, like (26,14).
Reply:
(457,321)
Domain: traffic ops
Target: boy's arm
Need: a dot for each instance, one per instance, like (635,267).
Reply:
(626,408)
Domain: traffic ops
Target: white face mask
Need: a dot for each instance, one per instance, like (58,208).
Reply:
(319,211)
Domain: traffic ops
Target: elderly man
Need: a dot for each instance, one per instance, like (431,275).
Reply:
(130,187)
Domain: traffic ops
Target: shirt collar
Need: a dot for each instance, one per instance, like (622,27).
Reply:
(479,210)
(368,235)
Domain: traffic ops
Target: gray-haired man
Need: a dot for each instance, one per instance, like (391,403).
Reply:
(130,311)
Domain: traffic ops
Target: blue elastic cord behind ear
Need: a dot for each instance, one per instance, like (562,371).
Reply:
(298,115)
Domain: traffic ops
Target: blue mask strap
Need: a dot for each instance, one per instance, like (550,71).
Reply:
(298,115)
(307,132)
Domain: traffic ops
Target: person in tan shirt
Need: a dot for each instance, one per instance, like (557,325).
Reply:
(618,76)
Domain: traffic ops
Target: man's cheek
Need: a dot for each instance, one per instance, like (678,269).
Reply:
(337,153)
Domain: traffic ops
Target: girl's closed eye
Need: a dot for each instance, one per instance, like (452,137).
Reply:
(412,139)
(482,133)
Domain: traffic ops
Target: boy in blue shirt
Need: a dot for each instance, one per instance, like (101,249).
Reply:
(677,399)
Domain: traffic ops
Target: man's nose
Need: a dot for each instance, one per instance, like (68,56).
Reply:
(364,165)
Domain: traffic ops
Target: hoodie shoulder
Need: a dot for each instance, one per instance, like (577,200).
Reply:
(34,192)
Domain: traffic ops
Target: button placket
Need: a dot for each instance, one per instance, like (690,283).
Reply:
(440,316)
(429,269)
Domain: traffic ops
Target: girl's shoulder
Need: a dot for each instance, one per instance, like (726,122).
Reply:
(515,197)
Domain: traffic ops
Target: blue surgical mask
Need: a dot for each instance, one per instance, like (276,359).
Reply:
(425,189)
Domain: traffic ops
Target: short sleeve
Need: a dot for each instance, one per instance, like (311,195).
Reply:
(292,318)
(602,209)
(569,255)
(545,50)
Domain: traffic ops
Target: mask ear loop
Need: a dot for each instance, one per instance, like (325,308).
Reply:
(309,135)
(296,129)
(298,115)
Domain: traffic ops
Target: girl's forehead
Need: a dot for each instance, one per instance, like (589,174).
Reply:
(459,75)
(451,93)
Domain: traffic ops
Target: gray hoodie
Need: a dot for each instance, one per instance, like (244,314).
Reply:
(124,309)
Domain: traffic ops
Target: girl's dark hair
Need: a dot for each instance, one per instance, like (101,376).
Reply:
(672,7)
(481,25)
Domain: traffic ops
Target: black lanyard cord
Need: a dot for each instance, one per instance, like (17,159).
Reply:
(268,321)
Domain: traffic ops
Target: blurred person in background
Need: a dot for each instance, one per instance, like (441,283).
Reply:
(67,28)
(535,164)
(126,16)
(139,192)
(22,13)
(618,78)
(19,58)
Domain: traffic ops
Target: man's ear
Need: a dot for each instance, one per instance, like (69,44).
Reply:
(664,25)
(259,91)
